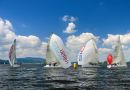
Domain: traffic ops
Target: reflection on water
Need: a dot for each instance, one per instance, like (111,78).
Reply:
(36,77)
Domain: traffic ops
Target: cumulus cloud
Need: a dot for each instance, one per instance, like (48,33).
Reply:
(68,18)
(65,18)
(125,39)
(74,43)
(71,25)
(70,28)
(27,46)
(104,50)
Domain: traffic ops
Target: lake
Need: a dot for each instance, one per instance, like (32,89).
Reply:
(36,77)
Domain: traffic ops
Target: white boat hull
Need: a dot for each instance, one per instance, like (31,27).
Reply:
(116,66)
(47,66)
(15,65)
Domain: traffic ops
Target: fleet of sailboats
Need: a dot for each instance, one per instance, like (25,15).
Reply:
(87,57)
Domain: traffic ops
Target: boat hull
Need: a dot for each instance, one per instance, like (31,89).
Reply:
(47,66)
(15,65)
(116,66)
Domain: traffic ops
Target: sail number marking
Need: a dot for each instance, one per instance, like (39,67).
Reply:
(64,56)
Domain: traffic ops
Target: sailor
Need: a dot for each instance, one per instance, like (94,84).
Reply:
(49,64)
(54,64)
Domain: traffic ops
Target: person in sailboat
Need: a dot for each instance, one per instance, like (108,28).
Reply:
(54,64)
(49,64)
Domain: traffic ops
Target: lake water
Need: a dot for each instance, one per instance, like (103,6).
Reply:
(36,77)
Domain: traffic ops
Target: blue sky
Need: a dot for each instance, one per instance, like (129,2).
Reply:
(41,17)
(34,21)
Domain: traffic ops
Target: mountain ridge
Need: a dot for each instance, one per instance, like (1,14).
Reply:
(25,60)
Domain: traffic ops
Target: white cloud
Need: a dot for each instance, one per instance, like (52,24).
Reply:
(27,46)
(71,25)
(31,41)
(65,18)
(72,19)
(125,39)
(68,18)
(70,28)
(104,50)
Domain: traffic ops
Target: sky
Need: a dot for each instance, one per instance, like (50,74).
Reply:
(73,20)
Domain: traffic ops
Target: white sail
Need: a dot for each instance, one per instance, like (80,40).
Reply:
(12,53)
(90,53)
(50,58)
(57,48)
(118,54)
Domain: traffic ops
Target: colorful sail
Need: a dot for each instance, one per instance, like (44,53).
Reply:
(57,48)
(109,59)
(12,53)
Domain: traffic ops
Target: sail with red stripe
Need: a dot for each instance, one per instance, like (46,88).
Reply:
(58,49)
(12,53)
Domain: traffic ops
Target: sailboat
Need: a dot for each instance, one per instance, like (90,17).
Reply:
(118,56)
(88,55)
(56,53)
(50,58)
(12,55)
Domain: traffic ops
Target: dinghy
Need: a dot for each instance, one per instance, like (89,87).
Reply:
(118,59)
(50,58)
(12,55)
(56,53)
(88,55)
